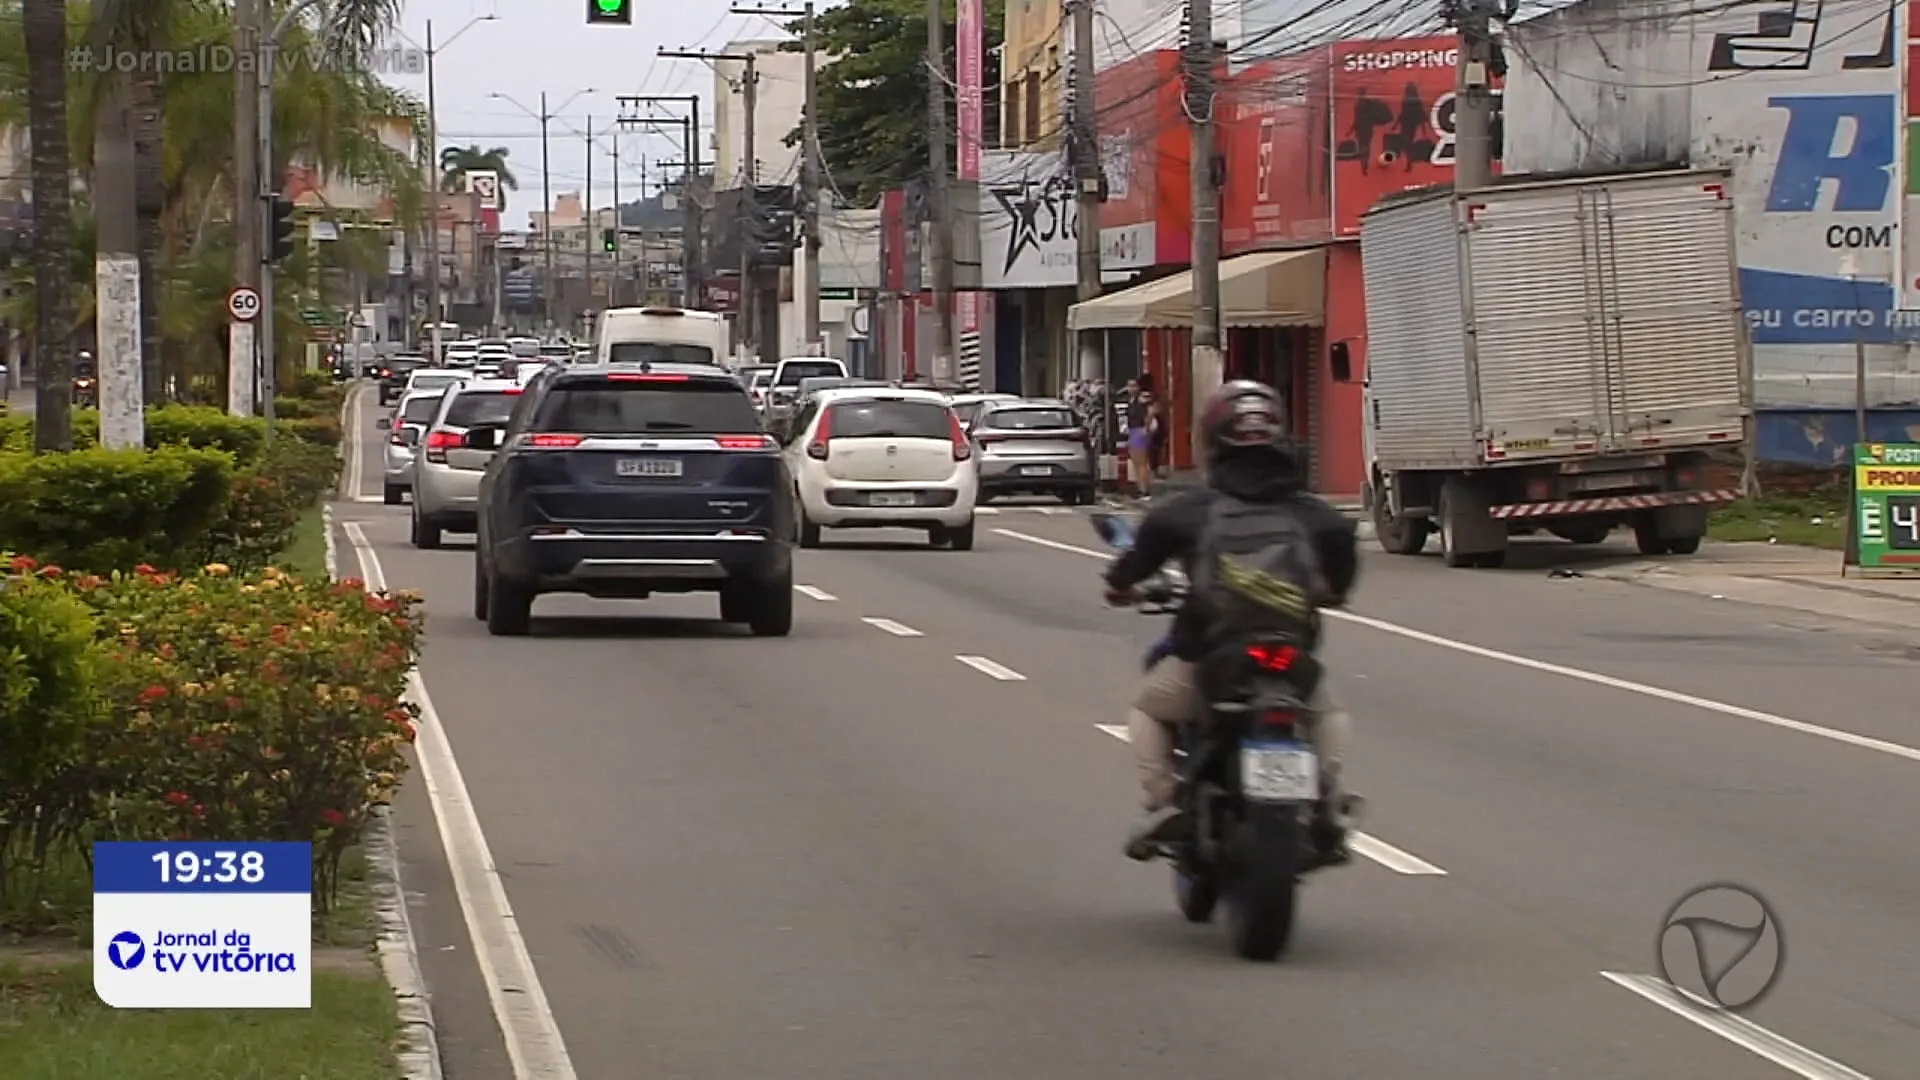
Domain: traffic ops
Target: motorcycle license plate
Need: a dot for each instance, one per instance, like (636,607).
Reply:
(1279,772)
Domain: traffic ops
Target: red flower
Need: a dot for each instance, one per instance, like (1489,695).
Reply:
(199,811)
(196,742)
(22,564)
(144,570)
(332,818)
(153,693)
(232,702)
(177,798)
(49,572)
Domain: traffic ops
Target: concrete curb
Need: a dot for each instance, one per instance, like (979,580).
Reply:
(398,949)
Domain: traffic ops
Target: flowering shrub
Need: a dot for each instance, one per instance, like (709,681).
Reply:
(265,503)
(258,707)
(99,510)
(48,705)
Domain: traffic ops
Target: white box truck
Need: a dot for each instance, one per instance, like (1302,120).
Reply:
(1557,354)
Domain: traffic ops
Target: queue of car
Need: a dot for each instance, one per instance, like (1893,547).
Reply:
(645,466)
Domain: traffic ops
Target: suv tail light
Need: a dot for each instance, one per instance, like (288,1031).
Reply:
(962,449)
(822,434)
(745,442)
(553,442)
(438,443)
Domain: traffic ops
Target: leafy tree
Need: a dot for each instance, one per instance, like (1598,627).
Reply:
(457,161)
(872,91)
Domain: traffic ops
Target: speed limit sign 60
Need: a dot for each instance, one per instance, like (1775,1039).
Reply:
(243,304)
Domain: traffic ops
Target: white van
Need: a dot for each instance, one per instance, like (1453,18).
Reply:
(660,335)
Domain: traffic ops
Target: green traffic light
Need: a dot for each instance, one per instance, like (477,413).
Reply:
(609,7)
(610,11)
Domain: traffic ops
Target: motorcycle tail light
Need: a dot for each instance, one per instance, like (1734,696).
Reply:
(1279,720)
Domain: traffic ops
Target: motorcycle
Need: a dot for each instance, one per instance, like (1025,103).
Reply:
(86,393)
(1249,782)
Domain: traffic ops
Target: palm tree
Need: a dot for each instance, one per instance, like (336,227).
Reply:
(44,26)
(457,161)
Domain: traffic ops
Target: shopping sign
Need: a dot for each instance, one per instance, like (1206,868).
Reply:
(1886,485)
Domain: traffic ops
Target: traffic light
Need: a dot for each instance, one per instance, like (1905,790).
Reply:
(609,240)
(610,11)
(280,227)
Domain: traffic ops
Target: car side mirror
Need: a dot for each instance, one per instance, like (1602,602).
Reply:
(485,438)
(410,436)
(1340,359)
(385,423)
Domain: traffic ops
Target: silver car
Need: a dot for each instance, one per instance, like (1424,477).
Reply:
(446,475)
(1034,447)
(404,436)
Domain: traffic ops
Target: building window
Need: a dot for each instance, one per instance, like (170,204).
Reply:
(1030,125)
(1011,133)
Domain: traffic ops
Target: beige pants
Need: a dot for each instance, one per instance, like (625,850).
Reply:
(1167,696)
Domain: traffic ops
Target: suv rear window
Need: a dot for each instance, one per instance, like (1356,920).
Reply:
(791,374)
(479,407)
(658,352)
(1031,419)
(888,419)
(419,410)
(609,407)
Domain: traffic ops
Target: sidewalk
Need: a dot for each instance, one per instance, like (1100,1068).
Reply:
(1778,575)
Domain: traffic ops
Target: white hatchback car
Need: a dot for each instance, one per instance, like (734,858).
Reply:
(867,458)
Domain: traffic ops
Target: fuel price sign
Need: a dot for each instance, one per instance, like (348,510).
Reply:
(1886,485)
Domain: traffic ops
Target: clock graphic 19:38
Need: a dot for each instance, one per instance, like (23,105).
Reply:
(1903,522)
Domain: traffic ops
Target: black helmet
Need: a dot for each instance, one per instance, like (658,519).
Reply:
(1242,415)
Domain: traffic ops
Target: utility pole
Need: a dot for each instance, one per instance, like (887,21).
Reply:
(810,167)
(433,209)
(691,237)
(116,271)
(613,275)
(546,214)
(1084,151)
(1207,368)
(749,218)
(593,221)
(242,362)
(1473,95)
(940,175)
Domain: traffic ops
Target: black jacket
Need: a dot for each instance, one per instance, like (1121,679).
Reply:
(1172,530)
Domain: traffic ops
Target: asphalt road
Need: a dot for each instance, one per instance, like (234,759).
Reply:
(856,853)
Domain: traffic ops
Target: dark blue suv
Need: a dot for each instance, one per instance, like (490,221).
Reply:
(624,481)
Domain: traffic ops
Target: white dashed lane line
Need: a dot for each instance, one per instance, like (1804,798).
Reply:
(814,593)
(991,669)
(891,627)
(1367,847)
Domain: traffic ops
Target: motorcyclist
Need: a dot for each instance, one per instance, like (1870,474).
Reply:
(1248,457)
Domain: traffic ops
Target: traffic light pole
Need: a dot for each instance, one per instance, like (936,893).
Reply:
(693,275)
(267,375)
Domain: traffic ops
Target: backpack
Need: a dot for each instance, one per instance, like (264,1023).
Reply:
(1256,576)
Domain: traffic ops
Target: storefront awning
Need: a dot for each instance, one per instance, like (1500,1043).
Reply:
(1261,288)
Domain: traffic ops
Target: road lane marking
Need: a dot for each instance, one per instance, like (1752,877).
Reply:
(891,627)
(1368,847)
(1395,859)
(991,669)
(1737,1030)
(814,593)
(1863,742)
(526,1020)
(986,509)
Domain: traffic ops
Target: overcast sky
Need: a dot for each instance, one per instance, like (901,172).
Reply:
(546,45)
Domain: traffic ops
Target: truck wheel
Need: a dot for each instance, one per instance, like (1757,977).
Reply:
(1448,511)
(1685,545)
(1399,536)
(1464,523)
(1586,534)
(1646,536)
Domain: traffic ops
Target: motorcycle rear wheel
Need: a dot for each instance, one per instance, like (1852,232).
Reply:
(1270,853)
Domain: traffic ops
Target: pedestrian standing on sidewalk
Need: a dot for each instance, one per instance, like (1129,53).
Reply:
(1143,416)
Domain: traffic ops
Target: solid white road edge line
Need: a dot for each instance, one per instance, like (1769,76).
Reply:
(527,1023)
(355,442)
(1849,738)
(991,669)
(891,627)
(813,593)
(331,559)
(1367,846)
(1738,1030)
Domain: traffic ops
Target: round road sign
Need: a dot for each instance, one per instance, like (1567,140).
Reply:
(243,304)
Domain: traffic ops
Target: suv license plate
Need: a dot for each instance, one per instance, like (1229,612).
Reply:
(901,498)
(1035,470)
(647,467)
(1279,772)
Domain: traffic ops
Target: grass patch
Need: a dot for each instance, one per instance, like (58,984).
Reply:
(306,554)
(52,1027)
(1816,519)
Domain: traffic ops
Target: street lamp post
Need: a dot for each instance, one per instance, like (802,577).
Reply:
(433,168)
(545,116)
